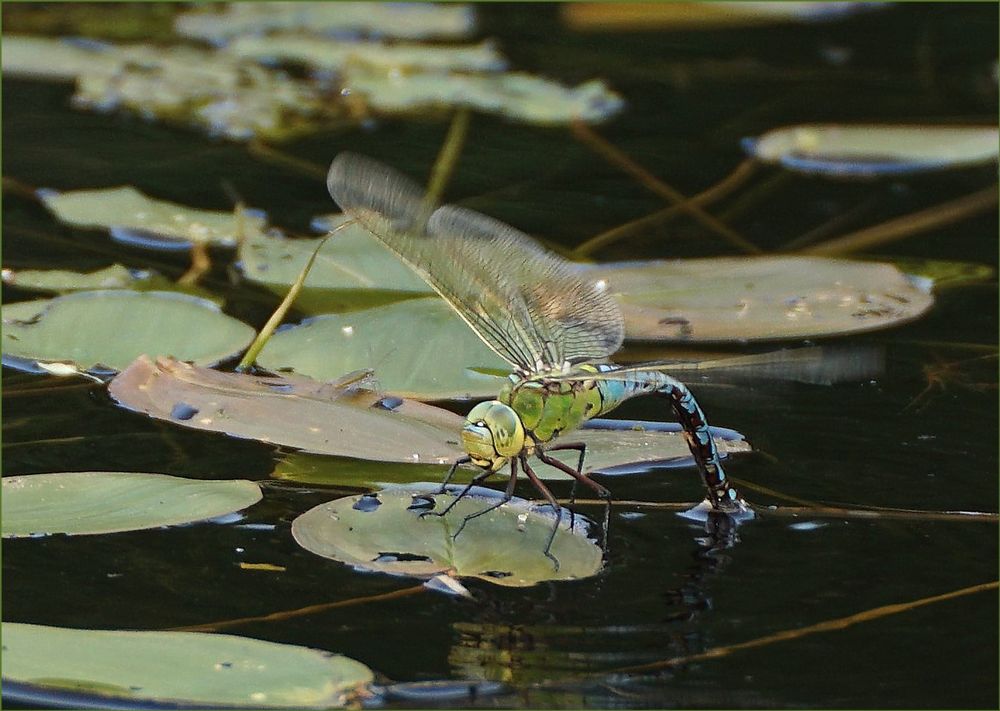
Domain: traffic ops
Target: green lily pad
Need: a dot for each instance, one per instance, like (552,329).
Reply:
(345,418)
(187,668)
(134,217)
(872,150)
(761,298)
(100,330)
(385,533)
(614,447)
(406,21)
(419,348)
(108,502)
(63,281)
(351,270)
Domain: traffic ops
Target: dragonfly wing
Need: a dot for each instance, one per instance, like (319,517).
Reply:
(526,303)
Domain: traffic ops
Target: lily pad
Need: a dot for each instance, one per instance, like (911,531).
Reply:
(125,211)
(614,448)
(872,150)
(77,503)
(420,348)
(102,330)
(385,533)
(403,20)
(185,668)
(515,95)
(761,298)
(329,54)
(63,281)
(344,419)
(352,269)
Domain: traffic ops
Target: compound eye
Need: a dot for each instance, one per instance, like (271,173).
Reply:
(480,423)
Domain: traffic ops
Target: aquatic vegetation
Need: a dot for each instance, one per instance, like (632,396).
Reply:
(105,330)
(206,670)
(88,503)
(137,219)
(385,532)
(873,150)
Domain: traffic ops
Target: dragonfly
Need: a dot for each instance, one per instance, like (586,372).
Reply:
(535,309)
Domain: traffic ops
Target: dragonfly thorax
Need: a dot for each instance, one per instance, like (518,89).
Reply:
(492,434)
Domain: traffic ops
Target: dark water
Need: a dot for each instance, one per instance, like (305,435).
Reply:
(692,96)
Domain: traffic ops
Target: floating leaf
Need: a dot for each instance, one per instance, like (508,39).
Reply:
(114,277)
(329,54)
(344,419)
(761,298)
(384,532)
(419,348)
(108,502)
(515,95)
(404,20)
(351,270)
(189,669)
(125,210)
(614,447)
(98,330)
(622,17)
(871,150)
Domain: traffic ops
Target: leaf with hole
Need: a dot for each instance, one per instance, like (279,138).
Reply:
(105,668)
(77,503)
(385,532)
(346,418)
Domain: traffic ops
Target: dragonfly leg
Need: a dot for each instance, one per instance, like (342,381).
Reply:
(507,496)
(475,480)
(581,447)
(721,494)
(556,508)
(578,475)
(451,472)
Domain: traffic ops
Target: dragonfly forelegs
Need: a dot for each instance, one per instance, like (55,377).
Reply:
(451,472)
(507,496)
(556,508)
(444,486)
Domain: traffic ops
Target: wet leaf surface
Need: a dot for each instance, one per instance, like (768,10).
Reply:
(108,502)
(100,330)
(114,277)
(186,668)
(348,419)
(505,547)
(871,150)
(761,298)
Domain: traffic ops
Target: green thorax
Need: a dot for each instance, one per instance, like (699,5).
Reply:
(549,407)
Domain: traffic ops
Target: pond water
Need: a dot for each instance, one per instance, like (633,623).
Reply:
(921,436)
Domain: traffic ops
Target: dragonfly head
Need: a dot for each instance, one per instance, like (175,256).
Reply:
(492,434)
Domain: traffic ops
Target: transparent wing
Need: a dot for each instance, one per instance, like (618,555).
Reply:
(526,303)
